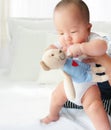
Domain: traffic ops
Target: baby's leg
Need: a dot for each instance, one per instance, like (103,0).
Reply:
(58,99)
(94,108)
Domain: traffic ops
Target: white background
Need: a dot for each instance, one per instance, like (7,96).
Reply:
(99,9)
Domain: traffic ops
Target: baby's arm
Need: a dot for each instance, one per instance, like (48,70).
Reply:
(95,47)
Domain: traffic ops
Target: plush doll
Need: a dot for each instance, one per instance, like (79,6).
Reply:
(72,70)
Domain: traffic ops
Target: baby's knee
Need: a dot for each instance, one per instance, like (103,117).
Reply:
(91,98)
(93,106)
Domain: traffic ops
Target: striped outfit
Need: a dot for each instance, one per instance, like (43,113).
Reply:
(106,102)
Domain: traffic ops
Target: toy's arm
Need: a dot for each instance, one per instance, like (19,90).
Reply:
(100,69)
(98,78)
(68,86)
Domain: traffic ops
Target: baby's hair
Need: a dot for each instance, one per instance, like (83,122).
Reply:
(81,4)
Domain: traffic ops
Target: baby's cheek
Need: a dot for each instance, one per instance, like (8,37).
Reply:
(60,39)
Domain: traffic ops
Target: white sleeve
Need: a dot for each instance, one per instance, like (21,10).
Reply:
(108,41)
(93,36)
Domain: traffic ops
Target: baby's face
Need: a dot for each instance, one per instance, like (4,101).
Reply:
(71,26)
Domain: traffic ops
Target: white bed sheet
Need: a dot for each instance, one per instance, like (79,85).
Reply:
(22,104)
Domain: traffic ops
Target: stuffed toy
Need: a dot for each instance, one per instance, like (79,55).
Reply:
(73,70)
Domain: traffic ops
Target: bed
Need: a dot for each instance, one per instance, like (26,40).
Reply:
(25,88)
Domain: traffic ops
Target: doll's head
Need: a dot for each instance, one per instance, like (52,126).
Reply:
(53,59)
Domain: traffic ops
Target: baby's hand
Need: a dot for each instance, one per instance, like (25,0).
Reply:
(74,50)
(52,46)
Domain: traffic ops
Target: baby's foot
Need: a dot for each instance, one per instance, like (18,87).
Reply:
(49,119)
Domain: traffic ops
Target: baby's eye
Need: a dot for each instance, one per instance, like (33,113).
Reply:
(61,33)
(73,31)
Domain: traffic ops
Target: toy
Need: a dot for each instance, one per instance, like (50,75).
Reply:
(72,70)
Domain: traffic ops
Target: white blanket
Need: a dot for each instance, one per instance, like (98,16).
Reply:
(23,104)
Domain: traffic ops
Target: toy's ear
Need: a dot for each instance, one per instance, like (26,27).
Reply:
(44,66)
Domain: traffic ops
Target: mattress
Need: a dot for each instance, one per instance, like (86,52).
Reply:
(23,104)
(24,88)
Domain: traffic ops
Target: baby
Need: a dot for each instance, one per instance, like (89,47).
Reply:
(71,18)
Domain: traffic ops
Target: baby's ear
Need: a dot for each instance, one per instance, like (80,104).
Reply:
(44,66)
